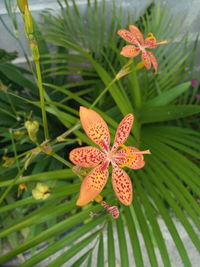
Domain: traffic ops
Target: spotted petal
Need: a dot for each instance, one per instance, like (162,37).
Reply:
(122,185)
(150,43)
(123,131)
(153,61)
(137,34)
(92,185)
(128,36)
(122,158)
(95,127)
(146,59)
(130,51)
(87,156)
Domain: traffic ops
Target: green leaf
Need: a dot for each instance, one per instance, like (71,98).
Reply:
(134,238)
(166,97)
(170,112)
(122,242)
(111,245)
(100,256)
(64,257)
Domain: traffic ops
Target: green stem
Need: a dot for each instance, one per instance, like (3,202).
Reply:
(14,150)
(136,92)
(42,102)
(56,156)
(7,190)
(103,92)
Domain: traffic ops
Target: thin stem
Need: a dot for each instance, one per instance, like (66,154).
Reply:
(42,102)
(14,149)
(103,93)
(7,190)
(56,156)
(136,92)
(11,104)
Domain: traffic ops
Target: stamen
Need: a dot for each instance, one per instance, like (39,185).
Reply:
(151,36)
(132,156)
(163,42)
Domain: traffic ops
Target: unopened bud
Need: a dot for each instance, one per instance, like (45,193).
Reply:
(32,128)
(22,4)
(34,50)
(28,21)
(22,187)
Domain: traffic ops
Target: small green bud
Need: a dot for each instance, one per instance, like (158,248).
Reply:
(32,128)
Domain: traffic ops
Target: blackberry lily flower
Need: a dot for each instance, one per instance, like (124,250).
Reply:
(92,157)
(135,37)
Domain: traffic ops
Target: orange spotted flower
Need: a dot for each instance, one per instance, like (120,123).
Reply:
(135,37)
(92,157)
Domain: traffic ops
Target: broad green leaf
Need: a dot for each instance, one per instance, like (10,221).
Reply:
(165,113)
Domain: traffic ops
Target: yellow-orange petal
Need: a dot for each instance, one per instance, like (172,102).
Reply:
(137,33)
(122,185)
(95,127)
(88,156)
(146,59)
(130,51)
(123,131)
(122,158)
(153,61)
(128,36)
(92,185)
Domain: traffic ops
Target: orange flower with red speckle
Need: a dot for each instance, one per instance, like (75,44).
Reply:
(92,157)
(135,37)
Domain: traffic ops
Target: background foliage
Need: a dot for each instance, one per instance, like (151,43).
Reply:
(85,60)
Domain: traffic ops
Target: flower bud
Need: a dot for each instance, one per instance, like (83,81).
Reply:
(32,128)
(22,4)
(22,187)
(28,21)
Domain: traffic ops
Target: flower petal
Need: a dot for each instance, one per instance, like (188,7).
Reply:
(130,51)
(146,59)
(150,43)
(128,36)
(87,156)
(121,157)
(122,185)
(95,127)
(137,33)
(153,61)
(92,185)
(123,131)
